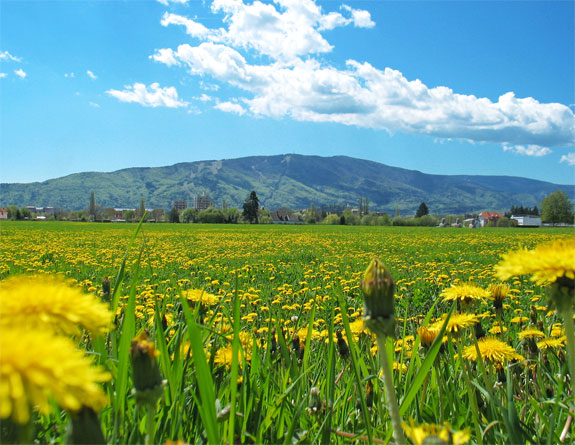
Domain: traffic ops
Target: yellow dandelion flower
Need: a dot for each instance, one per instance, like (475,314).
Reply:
(497,329)
(530,333)
(48,302)
(457,322)
(519,319)
(554,343)
(427,335)
(199,296)
(546,263)
(497,293)
(466,294)
(39,366)
(493,350)
(419,433)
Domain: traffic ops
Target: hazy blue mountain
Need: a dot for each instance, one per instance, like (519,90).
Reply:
(293,181)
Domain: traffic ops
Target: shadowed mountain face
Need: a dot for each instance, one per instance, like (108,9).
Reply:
(293,181)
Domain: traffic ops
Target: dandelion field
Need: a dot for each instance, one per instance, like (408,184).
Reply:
(254,334)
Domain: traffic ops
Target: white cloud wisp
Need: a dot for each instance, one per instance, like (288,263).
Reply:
(152,96)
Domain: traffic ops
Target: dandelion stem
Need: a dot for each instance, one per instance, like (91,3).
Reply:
(150,423)
(570,334)
(471,392)
(439,392)
(390,391)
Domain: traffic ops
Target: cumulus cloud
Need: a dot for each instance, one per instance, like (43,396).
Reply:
(2,75)
(152,96)
(91,75)
(568,158)
(20,73)
(288,29)
(360,18)
(69,75)
(529,150)
(230,107)
(288,81)
(5,55)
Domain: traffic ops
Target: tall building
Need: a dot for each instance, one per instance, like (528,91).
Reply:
(180,205)
(202,202)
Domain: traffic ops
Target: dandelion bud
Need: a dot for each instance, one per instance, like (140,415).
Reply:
(106,288)
(85,428)
(148,383)
(315,403)
(378,289)
(562,294)
(342,346)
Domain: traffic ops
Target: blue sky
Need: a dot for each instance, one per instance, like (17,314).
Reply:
(448,87)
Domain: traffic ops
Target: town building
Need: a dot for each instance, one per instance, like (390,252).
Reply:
(489,217)
(526,220)
(202,202)
(180,205)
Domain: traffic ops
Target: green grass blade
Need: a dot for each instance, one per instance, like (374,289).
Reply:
(121,272)
(425,367)
(207,407)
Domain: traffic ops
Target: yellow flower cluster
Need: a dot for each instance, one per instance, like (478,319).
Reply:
(43,301)
(37,363)
(546,263)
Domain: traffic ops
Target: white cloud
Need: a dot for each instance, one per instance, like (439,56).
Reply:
(282,31)
(230,107)
(20,73)
(94,104)
(5,55)
(529,150)
(69,75)
(154,96)
(91,75)
(2,75)
(204,98)
(295,84)
(360,18)
(568,158)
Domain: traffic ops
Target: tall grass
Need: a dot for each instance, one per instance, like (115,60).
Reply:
(272,283)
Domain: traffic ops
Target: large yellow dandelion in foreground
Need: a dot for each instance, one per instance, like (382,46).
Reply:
(39,366)
(493,350)
(48,302)
(546,263)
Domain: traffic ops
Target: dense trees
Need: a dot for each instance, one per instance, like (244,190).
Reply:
(251,208)
(422,210)
(556,208)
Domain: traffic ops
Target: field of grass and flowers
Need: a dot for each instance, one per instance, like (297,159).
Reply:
(255,334)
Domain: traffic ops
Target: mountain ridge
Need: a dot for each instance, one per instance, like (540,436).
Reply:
(289,180)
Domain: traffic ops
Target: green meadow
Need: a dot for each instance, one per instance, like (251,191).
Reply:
(257,332)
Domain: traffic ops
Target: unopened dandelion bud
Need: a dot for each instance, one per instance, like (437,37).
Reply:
(533,314)
(315,403)
(148,383)
(106,288)
(84,428)
(342,346)
(378,289)
(562,295)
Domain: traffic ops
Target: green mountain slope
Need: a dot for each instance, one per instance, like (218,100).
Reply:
(285,181)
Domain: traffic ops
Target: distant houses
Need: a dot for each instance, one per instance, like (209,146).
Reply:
(279,217)
(489,217)
(527,220)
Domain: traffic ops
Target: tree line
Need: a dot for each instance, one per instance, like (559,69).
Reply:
(555,209)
